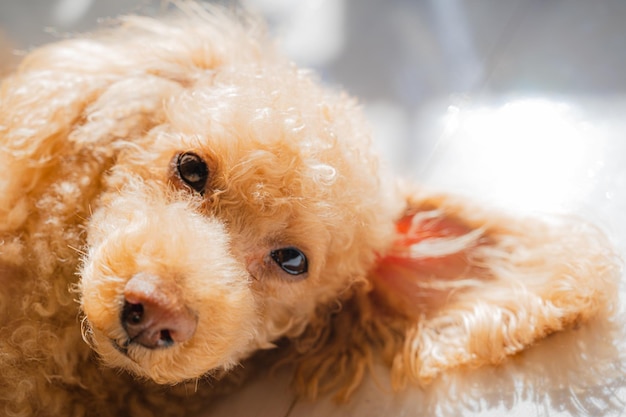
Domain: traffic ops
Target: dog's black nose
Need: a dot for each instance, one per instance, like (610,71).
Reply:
(154,315)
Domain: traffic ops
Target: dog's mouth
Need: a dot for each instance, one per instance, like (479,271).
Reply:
(121,345)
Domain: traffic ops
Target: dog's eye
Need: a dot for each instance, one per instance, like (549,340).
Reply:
(291,260)
(192,170)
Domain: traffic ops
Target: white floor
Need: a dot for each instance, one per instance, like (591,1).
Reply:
(518,103)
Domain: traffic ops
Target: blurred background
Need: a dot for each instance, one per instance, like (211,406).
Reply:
(518,103)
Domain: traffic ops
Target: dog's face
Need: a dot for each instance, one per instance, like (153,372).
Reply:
(253,200)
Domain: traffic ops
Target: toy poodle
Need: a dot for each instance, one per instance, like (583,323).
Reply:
(176,197)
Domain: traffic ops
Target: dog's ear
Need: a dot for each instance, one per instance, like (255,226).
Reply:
(460,286)
(61,112)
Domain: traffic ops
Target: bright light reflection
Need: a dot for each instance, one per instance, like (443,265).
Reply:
(532,154)
(69,12)
(310,31)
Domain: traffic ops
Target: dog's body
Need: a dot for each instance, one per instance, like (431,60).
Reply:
(202,198)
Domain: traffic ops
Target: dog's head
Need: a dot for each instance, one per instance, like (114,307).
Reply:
(252,199)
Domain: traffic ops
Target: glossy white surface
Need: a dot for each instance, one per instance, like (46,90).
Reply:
(518,103)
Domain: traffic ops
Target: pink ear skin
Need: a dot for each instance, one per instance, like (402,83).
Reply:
(460,286)
(431,253)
